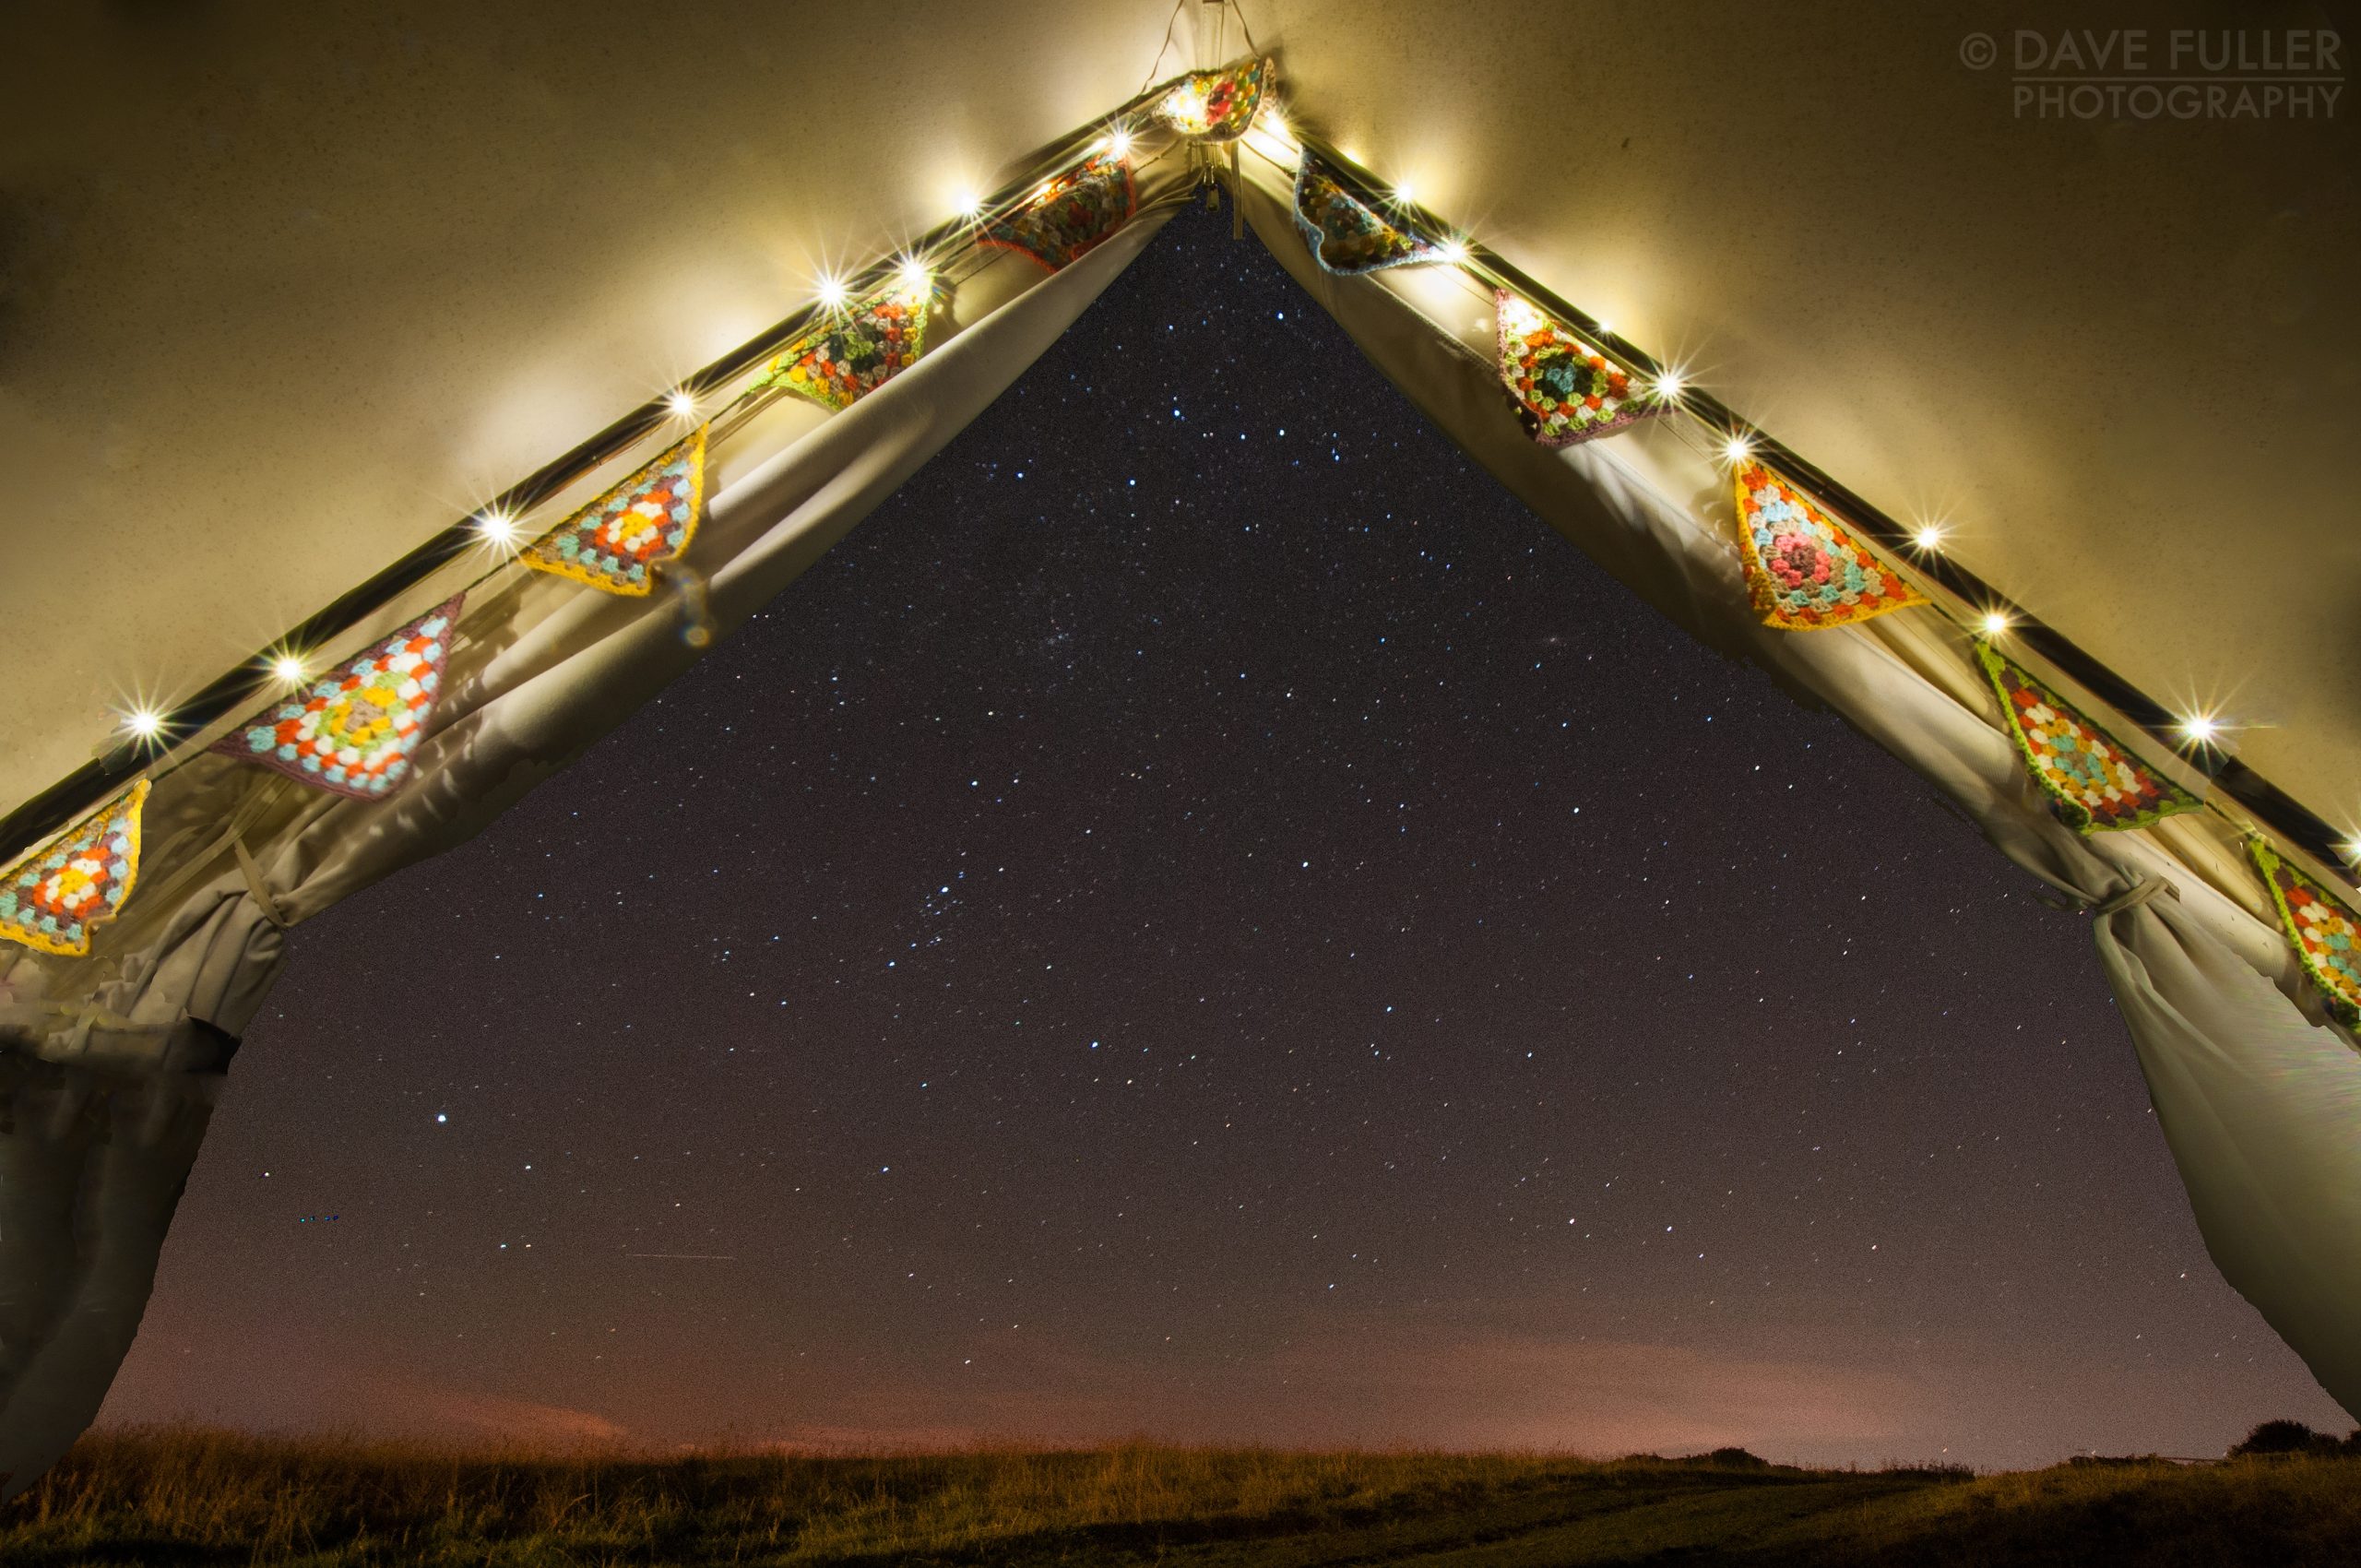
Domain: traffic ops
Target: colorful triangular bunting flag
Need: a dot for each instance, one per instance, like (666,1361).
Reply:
(2323,929)
(2093,781)
(1216,105)
(852,354)
(1071,214)
(351,733)
(616,542)
(53,898)
(1565,390)
(1803,570)
(1345,233)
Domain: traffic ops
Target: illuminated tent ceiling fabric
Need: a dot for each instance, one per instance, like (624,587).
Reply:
(544,327)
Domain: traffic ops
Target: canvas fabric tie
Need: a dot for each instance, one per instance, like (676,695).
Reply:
(351,733)
(1804,571)
(2131,897)
(616,542)
(255,886)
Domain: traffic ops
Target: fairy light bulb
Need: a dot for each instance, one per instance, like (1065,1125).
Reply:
(1737,447)
(497,528)
(1929,537)
(1995,622)
(832,292)
(682,403)
(289,668)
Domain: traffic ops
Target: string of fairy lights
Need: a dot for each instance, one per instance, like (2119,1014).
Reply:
(2200,733)
(153,740)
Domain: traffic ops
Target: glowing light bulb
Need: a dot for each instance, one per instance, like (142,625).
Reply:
(2201,728)
(1118,141)
(1453,251)
(967,203)
(1405,194)
(915,275)
(682,403)
(1669,385)
(1995,622)
(1737,447)
(832,292)
(498,528)
(2351,850)
(144,722)
(1929,537)
(1607,329)
(288,668)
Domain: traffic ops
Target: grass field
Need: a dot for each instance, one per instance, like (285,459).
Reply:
(183,1496)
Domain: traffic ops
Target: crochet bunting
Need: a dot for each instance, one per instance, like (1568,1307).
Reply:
(2324,930)
(1070,215)
(2093,781)
(352,732)
(1216,105)
(852,354)
(53,898)
(1345,233)
(1565,390)
(1803,570)
(615,541)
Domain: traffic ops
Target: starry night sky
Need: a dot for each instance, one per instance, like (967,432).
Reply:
(1204,919)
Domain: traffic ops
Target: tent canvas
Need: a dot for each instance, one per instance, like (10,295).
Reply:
(1889,313)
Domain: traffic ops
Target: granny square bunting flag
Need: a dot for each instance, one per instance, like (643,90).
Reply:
(351,733)
(1345,233)
(1565,390)
(844,359)
(615,542)
(53,898)
(1070,215)
(2324,930)
(1216,105)
(1803,571)
(2093,782)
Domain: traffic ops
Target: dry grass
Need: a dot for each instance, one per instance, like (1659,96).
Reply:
(194,1496)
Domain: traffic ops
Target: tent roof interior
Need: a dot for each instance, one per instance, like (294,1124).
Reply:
(291,289)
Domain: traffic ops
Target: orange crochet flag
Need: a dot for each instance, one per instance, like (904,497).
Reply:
(1803,570)
(53,898)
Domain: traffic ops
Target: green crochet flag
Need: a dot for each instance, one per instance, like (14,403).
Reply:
(2094,783)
